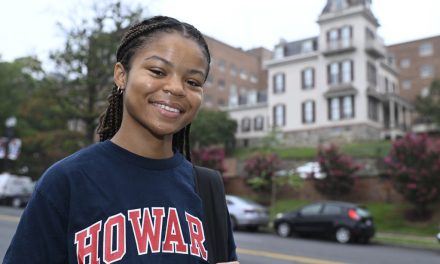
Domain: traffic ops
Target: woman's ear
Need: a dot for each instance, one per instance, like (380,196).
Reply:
(119,75)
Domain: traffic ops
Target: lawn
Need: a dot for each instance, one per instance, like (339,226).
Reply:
(370,149)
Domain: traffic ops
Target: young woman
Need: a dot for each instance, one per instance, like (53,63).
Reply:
(130,198)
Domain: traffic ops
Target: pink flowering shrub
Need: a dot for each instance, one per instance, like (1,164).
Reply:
(414,168)
(339,171)
(212,158)
(260,169)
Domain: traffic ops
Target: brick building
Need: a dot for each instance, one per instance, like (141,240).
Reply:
(418,62)
(236,77)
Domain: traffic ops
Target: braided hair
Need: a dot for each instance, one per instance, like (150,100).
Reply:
(137,37)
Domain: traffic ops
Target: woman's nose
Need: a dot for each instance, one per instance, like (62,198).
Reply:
(175,86)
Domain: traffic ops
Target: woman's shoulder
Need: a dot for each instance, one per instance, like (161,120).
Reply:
(73,164)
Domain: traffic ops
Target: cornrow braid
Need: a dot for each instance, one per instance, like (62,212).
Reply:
(110,120)
(137,37)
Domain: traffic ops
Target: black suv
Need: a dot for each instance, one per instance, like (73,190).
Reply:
(342,221)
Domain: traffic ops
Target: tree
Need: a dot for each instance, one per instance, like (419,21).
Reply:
(209,157)
(261,171)
(18,81)
(339,171)
(86,61)
(414,168)
(212,128)
(429,106)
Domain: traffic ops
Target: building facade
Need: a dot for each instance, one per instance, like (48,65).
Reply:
(236,76)
(418,63)
(338,86)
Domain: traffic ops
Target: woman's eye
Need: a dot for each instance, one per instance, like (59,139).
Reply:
(157,72)
(193,83)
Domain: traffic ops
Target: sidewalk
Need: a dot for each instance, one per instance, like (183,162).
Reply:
(429,242)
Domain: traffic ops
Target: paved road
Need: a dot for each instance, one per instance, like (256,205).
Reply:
(256,248)
(267,248)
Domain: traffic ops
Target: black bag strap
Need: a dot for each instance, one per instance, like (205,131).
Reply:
(209,186)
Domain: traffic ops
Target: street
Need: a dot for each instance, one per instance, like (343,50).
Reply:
(265,248)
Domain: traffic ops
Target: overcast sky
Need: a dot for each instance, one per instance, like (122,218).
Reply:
(28,27)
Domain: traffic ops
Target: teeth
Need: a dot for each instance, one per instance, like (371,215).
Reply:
(168,108)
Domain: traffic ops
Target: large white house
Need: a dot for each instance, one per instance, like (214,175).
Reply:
(340,85)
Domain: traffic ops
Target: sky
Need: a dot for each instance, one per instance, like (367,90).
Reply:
(29,27)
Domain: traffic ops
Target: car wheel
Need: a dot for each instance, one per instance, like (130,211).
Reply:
(283,229)
(16,202)
(343,235)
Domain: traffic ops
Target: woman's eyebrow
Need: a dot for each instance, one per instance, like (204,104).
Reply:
(192,71)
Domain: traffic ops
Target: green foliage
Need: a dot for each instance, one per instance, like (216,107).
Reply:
(339,171)
(86,62)
(17,83)
(429,106)
(414,168)
(212,128)
(45,148)
(260,170)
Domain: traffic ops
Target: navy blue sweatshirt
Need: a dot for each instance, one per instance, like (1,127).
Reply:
(105,204)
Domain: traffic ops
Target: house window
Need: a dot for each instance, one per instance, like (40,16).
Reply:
(425,49)
(426,71)
(307,46)
(334,73)
(341,107)
(221,85)
(424,92)
(347,75)
(373,108)
(233,70)
(308,112)
(243,75)
(221,65)
(340,72)
(259,123)
(333,38)
(253,78)
(308,78)
(233,95)
(279,52)
(279,115)
(246,124)
(278,83)
(405,63)
(335,109)
(371,73)
(209,81)
(346,36)
(406,84)
(347,107)
(387,85)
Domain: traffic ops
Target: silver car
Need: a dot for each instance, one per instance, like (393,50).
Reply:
(246,213)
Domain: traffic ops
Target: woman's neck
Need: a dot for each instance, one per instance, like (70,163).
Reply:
(144,144)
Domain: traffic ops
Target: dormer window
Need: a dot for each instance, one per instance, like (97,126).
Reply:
(279,52)
(339,5)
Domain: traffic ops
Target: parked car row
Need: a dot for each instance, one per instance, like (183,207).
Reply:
(341,221)
(15,190)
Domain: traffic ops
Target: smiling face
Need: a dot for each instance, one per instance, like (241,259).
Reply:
(163,88)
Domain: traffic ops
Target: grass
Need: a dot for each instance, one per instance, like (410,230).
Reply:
(370,149)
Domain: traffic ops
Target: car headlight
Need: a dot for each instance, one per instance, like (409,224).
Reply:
(279,215)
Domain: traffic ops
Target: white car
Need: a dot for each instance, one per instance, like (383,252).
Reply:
(246,213)
(308,168)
